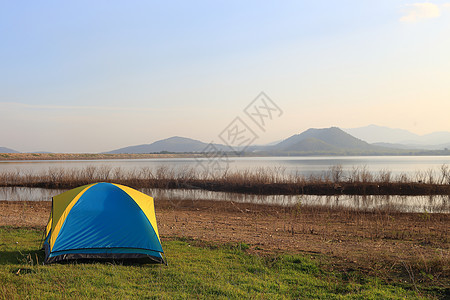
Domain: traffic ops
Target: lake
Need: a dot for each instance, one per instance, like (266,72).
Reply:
(408,165)
(430,204)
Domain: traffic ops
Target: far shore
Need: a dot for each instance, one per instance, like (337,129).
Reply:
(92,156)
(109,156)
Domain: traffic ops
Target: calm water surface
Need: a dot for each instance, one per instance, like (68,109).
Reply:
(301,165)
(431,204)
(408,165)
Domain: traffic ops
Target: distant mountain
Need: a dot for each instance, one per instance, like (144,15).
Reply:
(273,143)
(381,134)
(7,150)
(173,144)
(415,146)
(324,139)
(441,146)
(308,145)
(40,152)
(435,138)
(396,146)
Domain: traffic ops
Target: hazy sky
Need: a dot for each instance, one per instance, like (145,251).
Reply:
(92,76)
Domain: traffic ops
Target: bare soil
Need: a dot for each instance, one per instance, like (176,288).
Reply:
(379,242)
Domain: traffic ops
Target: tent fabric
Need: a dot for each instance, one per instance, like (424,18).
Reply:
(102,221)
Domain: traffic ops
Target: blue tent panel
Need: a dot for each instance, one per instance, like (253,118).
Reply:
(106,222)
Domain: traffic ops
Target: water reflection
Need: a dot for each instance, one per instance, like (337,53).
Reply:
(431,203)
(302,165)
(28,194)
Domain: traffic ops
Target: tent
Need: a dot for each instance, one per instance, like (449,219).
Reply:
(102,221)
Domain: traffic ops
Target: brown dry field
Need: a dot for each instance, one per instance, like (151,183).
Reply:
(376,242)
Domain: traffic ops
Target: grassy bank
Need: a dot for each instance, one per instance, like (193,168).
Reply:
(196,270)
(268,181)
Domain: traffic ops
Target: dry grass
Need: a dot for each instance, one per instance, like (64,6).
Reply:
(268,181)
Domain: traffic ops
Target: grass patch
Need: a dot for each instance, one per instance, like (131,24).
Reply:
(195,270)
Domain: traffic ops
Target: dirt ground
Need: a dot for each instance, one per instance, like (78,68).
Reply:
(374,241)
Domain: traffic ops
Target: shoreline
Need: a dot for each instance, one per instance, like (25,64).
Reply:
(118,156)
(90,156)
(252,187)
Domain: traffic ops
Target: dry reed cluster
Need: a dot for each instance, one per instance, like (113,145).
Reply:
(269,181)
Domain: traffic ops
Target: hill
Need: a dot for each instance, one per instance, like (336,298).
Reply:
(172,144)
(7,150)
(394,136)
(323,141)
(331,140)
(381,134)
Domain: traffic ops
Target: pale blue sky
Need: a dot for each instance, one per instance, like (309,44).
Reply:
(91,76)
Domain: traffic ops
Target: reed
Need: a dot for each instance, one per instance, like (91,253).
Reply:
(265,181)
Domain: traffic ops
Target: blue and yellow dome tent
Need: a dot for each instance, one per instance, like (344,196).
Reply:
(102,221)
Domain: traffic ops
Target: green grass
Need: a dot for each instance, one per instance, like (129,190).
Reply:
(195,270)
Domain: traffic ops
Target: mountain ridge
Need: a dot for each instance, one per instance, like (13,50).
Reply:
(172,144)
(321,141)
(8,150)
(333,141)
(332,136)
(382,134)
